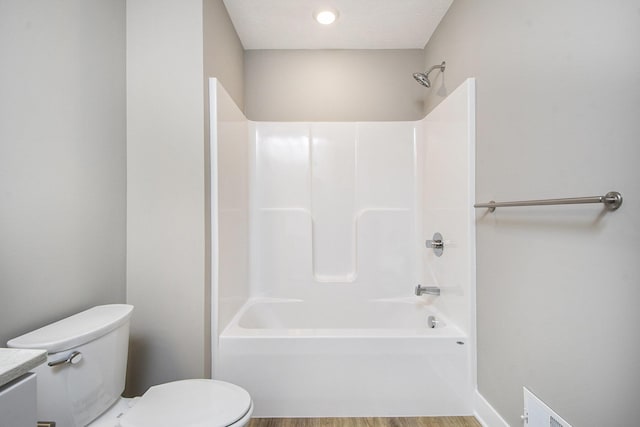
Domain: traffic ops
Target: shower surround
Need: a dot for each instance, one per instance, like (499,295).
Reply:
(318,234)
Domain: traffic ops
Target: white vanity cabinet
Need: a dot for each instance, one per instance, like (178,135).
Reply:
(18,386)
(18,402)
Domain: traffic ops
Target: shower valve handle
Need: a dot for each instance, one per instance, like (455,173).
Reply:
(437,244)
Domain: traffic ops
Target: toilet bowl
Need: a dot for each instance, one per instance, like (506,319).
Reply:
(181,403)
(82,383)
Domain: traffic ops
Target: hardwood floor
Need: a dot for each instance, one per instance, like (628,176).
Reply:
(366,422)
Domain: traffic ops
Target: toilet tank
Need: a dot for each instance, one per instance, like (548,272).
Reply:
(95,342)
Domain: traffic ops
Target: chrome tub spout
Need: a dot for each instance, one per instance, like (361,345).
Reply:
(429,290)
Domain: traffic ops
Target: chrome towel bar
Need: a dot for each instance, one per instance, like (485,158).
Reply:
(612,201)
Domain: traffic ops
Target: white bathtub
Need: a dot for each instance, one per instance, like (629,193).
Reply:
(367,358)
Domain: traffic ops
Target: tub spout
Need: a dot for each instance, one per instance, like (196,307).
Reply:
(429,290)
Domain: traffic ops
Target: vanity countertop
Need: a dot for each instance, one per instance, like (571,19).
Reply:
(15,362)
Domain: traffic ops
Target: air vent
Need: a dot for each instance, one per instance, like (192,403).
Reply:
(538,414)
(554,423)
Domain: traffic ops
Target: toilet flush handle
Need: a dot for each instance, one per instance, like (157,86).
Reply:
(73,358)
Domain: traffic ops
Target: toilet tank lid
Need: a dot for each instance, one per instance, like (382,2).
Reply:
(75,330)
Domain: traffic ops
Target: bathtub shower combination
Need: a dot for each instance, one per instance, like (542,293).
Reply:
(318,241)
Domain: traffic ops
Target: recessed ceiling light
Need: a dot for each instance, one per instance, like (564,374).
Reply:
(326,16)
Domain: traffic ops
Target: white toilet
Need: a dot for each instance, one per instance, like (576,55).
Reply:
(82,382)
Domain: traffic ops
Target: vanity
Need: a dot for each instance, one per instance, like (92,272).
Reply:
(18,386)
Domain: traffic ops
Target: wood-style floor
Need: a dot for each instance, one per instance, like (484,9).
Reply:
(366,422)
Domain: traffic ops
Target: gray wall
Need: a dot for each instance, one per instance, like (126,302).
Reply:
(333,85)
(62,159)
(165,191)
(558,94)
(223,52)
(224,60)
(168,277)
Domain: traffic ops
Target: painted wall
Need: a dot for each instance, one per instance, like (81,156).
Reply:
(172,46)
(558,105)
(223,60)
(223,52)
(62,160)
(333,85)
(165,191)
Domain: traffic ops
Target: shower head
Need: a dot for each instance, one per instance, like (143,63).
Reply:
(423,78)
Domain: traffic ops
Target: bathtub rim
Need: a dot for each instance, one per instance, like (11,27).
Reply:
(450,330)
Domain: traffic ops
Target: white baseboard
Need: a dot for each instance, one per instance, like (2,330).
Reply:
(484,412)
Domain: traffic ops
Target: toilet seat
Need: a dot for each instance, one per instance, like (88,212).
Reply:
(185,403)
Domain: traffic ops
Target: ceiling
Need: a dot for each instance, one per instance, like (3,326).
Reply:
(361,24)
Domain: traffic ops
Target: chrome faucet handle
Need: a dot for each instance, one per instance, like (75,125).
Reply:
(437,244)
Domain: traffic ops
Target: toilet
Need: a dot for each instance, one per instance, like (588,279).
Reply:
(82,382)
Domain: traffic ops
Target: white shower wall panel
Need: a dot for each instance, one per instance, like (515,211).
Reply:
(333,208)
(281,165)
(385,251)
(229,206)
(386,165)
(283,253)
(333,190)
(448,159)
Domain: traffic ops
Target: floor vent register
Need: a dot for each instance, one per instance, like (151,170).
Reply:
(538,414)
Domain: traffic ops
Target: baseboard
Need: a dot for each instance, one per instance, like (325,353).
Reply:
(484,412)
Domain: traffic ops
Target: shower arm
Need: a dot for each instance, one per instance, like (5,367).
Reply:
(441,66)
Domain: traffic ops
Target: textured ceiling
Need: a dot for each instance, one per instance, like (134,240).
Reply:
(361,24)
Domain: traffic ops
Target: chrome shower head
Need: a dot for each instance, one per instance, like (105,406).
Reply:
(423,78)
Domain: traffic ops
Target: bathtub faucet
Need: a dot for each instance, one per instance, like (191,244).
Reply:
(429,290)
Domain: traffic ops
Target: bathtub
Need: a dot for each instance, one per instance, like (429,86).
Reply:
(347,359)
